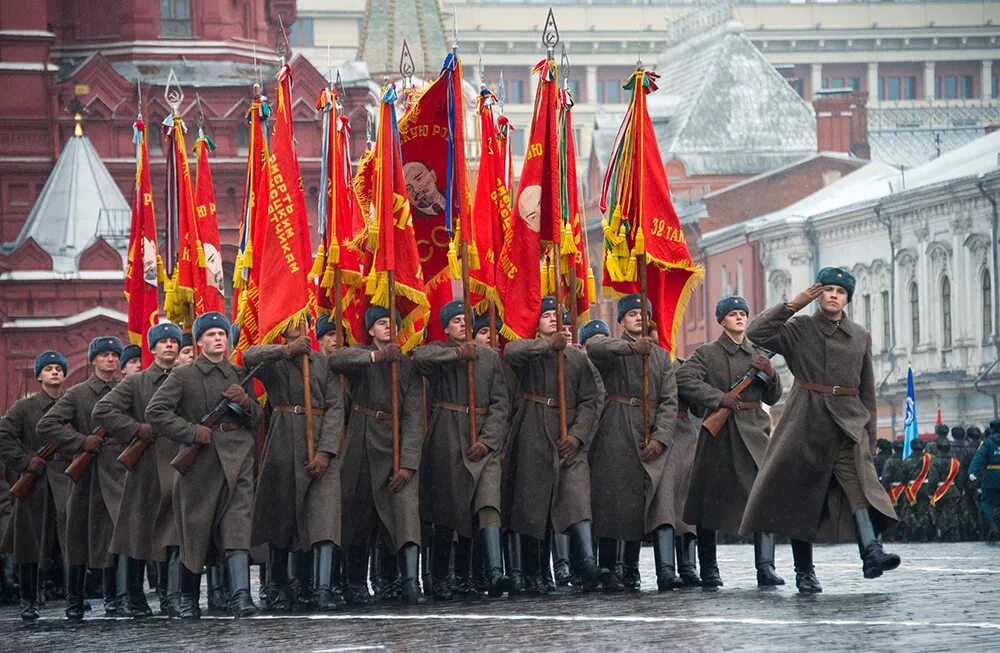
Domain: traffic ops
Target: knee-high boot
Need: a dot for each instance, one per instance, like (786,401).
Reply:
(805,572)
(663,553)
(560,553)
(686,545)
(409,568)
(324,597)
(357,576)
(28,573)
(497,582)
(582,543)
(875,561)
(441,546)
(190,588)
(238,564)
(707,558)
(135,604)
(461,586)
(763,553)
(109,578)
(277,591)
(217,602)
(515,563)
(76,581)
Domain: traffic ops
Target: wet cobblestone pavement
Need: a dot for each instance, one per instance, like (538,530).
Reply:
(944,597)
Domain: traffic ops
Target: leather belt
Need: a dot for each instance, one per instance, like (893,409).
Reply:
(297,410)
(682,414)
(228,426)
(629,401)
(749,405)
(837,390)
(458,408)
(551,402)
(377,414)
(993,467)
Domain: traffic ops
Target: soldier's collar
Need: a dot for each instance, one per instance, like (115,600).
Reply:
(206,366)
(96,384)
(828,327)
(731,347)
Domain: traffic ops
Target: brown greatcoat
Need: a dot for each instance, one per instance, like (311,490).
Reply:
(631,498)
(212,501)
(290,509)
(94,501)
(544,488)
(369,442)
(33,523)
(680,457)
(144,525)
(452,488)
(725,466)
(796,493)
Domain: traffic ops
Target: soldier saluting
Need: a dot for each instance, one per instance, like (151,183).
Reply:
(828,429)
(33,524)
(94,499)
(297,505)
(726,464)
(212,501)
(144,525)
(460,481)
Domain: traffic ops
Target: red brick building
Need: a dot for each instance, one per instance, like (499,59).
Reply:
(61,287)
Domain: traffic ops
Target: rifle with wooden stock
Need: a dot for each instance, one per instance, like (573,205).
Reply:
(184,460)
(714,422)
(132,454)
(22,488)
(81,461)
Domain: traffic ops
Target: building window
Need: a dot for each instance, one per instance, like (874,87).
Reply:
(515,91)
(517,142)
(914,315)
(897,88)
(798,86)
(867,315)
(175,17)
(945,313)
(987,291)
(886,322)
(994,86)
(575,90)
(242,138)
(301,33)
(894,91)
(968,87)
(609,91)
(947,87)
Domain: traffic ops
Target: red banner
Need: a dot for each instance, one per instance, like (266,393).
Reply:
(208,230)
(573,249)
(491,206)
(340,219)
(258,158)
(380,184)
(641,220)
(537,209)
(432,140)
(143,268)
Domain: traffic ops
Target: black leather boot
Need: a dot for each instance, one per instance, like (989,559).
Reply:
(441,546)
(109,583)
(339,582)
(582,542)
(706,556)
(560,553)
(686,568)
(174,573)
(217,601)
(515,563)
(28,573)
(805,572)
(611,556)
(875,561)
(76,581)
(497,582)
(426,557)
(409,568)
(663,554)
(302,589)
(461,584)
(238,565)
(389,588)
(631,578)
(546,584)
(324,597)
(161,586)
(357,576)
(478,576)
(763,555)
(190,599)
(135,604)
(277,587)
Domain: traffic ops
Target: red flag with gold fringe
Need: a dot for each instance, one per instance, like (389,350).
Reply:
(432,141)
(258,160)
(144,267)
(208,229)
(491,206)
(381,187)
(537,209)
(640,219)
(340,219)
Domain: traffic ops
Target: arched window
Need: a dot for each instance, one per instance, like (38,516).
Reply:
(987,292)
(914,315)
(175,18)
(945,313)
(242,138)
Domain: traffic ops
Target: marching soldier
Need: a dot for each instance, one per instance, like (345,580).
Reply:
(946,501)
(130,361)
(828,429)
(94,500)
(632,496)
(373,496)
(894,487)
(460,481)
(970,493)
(986,463)
(549,475)
(884,448)
(680,464)
(144,525)
(917,477)
(33,524)
(297,505)
(212,501)
(726,465)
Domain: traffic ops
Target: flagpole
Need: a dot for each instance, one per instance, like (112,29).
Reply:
(643,290)
(394,373)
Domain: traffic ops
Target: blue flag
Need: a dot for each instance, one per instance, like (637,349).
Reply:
(910,432)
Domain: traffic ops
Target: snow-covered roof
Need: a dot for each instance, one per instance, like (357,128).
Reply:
(387,23)
(78,194)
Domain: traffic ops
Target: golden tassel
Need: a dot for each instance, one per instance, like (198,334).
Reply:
(319,263)
(454,262)
(640,244)
(591,286)
(201,256)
